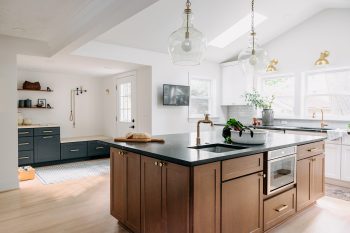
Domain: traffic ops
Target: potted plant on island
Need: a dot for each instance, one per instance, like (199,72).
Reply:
(262,102)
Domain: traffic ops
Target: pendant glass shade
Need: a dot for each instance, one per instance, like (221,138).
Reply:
(258,59)
(187,45)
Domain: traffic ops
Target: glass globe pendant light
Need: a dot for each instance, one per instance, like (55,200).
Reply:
(256,56)
(187,45)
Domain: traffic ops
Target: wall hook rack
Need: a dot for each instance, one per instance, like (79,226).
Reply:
(74,92)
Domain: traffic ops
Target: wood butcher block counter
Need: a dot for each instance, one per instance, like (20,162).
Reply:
(171,188)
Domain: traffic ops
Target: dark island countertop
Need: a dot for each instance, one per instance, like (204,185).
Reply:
(175,149)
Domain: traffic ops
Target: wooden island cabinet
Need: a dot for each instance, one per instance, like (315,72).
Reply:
(153,196)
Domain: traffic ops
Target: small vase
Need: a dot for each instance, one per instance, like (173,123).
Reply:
(267,117)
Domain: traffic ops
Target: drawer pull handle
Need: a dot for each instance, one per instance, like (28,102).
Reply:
(99,147)
(21,133)
(47,131)
(24,144)
(48,137)
(23,158)
(74,150)
(262,175)
(312,149)
(283,207)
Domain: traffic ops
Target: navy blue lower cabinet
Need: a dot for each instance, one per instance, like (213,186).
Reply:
(73,150)
(25,158)
(25,143)
(47,148)
(96,148)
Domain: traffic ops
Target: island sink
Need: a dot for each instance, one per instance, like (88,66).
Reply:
(218,148)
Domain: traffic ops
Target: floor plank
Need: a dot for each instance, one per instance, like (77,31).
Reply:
(83,206)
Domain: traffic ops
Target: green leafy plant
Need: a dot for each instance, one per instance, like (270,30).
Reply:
(232,123)
(258,101)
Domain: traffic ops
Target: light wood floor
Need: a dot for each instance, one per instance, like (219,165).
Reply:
(83,206)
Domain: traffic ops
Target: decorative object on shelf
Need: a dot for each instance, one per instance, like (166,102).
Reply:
(41,103)
(187,45)
(27,121)
(20,118)
(27,103)
(48,106)
(264,103)
(74,92)
(21,103)
(31,86)
(323,59)
(272,66)
(48,89)
(254,53)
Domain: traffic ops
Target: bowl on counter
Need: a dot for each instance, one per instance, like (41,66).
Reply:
(259,137)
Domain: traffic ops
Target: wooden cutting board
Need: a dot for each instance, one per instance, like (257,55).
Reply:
(142,140)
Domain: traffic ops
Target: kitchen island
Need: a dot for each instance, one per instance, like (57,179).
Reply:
(172,187)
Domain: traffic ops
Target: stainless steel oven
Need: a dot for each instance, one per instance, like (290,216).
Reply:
(280,169)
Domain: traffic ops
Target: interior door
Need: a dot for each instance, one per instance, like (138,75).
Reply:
(126,105)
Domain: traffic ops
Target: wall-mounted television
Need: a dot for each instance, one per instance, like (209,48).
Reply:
(176,95)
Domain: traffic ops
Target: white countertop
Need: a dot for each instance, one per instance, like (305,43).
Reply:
(82,139)
(37,126)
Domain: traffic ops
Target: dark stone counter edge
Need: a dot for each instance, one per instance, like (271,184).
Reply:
(251,151)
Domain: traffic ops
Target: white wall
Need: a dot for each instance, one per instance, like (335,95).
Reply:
(89,120)
(9,47)
(165,119)
(298,49)
(144,101)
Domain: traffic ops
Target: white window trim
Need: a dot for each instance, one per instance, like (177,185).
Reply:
(283,75)
(212,98)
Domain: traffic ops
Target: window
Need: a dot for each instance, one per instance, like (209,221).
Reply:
(201,98)
(125,102)
(282,86)
(328,90)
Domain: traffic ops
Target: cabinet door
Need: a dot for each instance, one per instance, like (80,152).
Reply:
(151,195)
(47,148)
(345,163)
(244,196)
(175,198)
(333,154)
(133,192)
(304,169)
(234,84)
(318,163)
(206,195)
(125,188)
(118,185)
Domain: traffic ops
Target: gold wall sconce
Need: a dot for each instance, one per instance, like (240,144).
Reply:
(323,59)
(272,66)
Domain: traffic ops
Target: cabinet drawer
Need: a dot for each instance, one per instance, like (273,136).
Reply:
(25,158)
(309,150)
(25,132)
(97,148)
(25,143)
(47,131)
(241,166)
(279,208)
(73,150)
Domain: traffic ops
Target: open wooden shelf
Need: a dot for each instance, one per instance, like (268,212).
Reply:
(35,108)
(34,90)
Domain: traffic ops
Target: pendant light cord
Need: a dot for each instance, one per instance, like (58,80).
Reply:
(253,27)
(187,12)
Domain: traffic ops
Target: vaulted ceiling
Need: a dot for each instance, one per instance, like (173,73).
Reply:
(150,28)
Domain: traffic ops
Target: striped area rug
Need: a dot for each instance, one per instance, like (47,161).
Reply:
(71,171)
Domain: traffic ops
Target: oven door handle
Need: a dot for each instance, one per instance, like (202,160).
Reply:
(283,207)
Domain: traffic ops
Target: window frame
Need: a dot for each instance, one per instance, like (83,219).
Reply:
(267,76)
(211,97)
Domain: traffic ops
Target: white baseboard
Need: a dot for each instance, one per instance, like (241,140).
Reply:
(341,183)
